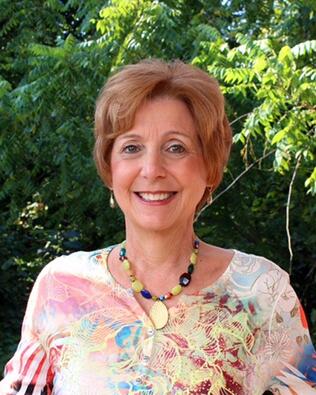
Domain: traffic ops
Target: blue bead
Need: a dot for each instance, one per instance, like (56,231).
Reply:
(146,294)
(123,251)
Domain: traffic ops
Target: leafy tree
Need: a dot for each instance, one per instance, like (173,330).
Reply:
(55,57)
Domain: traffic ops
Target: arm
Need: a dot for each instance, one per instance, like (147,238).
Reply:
(297,375)
(29,372)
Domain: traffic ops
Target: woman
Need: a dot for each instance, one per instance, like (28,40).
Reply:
(163,312)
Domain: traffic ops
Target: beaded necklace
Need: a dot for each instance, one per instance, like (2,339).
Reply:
(159,312)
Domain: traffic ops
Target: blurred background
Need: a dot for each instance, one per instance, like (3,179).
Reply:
(56,55)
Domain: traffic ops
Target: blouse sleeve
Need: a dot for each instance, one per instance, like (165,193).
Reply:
(292,346)
(29,372)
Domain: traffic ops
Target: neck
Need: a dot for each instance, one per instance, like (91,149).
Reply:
(163,251)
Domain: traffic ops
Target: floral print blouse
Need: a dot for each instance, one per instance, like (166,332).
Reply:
(84,334)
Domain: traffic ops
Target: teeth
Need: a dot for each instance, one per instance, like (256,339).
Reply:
(155,196)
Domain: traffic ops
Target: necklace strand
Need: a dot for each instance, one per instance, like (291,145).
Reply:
(159,312)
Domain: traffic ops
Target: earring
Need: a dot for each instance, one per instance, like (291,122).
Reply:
(112,200)
(209,199)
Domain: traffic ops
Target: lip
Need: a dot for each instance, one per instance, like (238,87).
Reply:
(155,202)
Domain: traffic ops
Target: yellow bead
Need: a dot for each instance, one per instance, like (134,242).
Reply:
(126,264)
(176,290)
(154,298)
(193,258)
(137,286)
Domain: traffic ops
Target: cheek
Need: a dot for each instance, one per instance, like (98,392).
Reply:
(116,173)
(196,170)
(121,175)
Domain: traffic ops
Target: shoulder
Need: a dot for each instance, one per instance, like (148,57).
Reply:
(66,288)
(80,265)
(250,263)
(258,274)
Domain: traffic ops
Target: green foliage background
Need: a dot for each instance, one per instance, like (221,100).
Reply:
(56,55)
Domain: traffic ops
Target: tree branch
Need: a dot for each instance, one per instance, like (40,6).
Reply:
(234,182)
(241,116)
(288,233)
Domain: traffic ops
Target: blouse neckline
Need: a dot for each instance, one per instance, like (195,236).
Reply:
(221,278)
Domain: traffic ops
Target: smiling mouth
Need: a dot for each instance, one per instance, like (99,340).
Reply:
(155,197)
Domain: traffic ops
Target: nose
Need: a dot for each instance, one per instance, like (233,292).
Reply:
(153,165)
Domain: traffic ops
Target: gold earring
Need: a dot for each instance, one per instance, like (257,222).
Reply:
(112,200)
(209,199)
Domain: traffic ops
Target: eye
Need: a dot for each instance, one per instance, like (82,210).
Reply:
(176,149)
(131,149)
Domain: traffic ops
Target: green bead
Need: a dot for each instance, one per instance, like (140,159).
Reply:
(126,264)
(176,290)
(191,268)
(137,286)
(193,258)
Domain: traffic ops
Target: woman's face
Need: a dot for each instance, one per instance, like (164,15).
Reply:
(158,173)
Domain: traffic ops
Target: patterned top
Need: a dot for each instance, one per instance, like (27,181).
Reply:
(84,334)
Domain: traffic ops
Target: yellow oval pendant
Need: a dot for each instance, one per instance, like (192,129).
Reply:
(159,314)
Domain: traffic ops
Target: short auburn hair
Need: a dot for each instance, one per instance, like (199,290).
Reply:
(129,88)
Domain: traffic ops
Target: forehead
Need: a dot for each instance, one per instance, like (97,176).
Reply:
(164,115)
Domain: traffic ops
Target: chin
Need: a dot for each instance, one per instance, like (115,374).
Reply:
(155,226)
(155,223)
